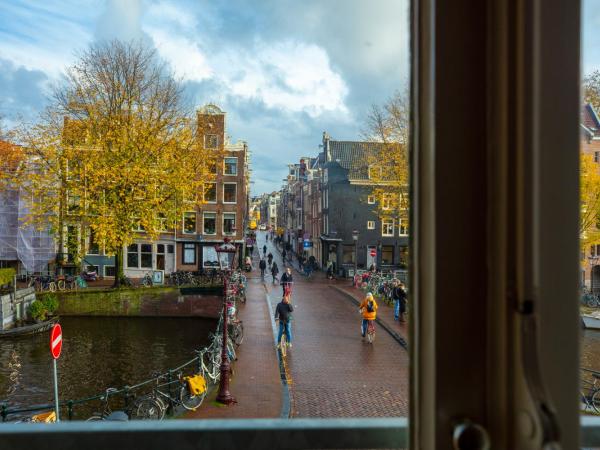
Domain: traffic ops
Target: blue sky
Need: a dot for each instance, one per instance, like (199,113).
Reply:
(285,71)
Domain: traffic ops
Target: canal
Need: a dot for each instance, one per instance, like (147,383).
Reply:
(98,352)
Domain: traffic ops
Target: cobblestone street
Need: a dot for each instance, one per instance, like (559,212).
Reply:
(333,373)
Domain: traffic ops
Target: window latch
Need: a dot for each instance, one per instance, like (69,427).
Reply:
(468,435)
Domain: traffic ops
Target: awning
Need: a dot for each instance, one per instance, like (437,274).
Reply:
(330,239)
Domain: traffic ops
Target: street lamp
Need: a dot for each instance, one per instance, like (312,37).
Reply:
(226,265)
(355,238)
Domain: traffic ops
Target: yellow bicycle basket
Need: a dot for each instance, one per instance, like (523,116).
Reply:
(197,384)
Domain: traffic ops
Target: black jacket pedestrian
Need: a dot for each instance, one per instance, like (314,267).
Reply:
(284,312)
(286,278)
(262,264)
(274,270)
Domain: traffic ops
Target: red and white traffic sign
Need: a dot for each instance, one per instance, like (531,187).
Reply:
(373,252)
(56,341)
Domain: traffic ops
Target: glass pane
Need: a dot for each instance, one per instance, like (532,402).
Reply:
(229,193)
(210,192)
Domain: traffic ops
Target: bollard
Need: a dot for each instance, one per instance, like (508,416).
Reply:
(70,409)
(3,413)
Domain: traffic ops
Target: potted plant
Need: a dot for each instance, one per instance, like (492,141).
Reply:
(38,311)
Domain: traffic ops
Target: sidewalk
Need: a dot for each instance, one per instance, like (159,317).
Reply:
(256,380)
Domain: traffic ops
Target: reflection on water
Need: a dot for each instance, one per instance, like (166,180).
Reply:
(98,352)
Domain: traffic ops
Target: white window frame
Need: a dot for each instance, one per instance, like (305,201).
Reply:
(370,224)
(206,136)
(236,192)
(234,223)
(183,254)
(225,165)
(216,193)
(371,200)
(137,225)
(386,201)
(386,223)
(374,167)
(183,222)
(104,270)
(402,227)
(216,218)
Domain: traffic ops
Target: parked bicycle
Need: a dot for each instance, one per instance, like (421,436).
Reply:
(107,413)
(590,390)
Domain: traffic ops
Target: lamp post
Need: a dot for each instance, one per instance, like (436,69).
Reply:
(355,238)
(226,248)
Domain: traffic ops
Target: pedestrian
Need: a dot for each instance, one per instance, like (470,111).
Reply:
(274,271)
(283,313)
(286,281)
(399,295)
(301,262)
(368,309)
(262,265)
(283,253)
(270,259)
(248,264)
(372,268)
(265,249)
(329,269)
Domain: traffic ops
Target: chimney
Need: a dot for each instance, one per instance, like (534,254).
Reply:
(326,138)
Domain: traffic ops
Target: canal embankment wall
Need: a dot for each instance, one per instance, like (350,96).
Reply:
(13,306)
(141,302)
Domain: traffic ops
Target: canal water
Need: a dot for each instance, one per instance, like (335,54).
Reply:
(97,352)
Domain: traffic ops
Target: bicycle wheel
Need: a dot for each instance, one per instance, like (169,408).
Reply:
(148,409)
(238,334)
(595,401)
(190,401)
(94,418)
(283,345)
(52,286)
(371,332)
(60,284)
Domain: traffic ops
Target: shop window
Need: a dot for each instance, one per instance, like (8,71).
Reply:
(348,252)
(189,253)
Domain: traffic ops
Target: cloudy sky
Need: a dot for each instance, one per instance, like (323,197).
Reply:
(284,71)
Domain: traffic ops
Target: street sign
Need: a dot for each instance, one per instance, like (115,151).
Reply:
(373,252)
(56,341)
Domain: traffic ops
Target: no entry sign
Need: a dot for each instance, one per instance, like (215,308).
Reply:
(373,252)
(56,341)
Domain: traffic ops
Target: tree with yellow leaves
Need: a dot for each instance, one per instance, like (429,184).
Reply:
(389,165)
(589,223)
(116,152)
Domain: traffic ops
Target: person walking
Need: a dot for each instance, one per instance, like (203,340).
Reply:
(270,259)
(329,269)
(368,309)
(283,253)
(399,295)
(262,265)
(274,271)
(283,313)
(264,250)
(286,281)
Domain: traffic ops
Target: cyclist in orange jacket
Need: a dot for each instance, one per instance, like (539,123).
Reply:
(368,309)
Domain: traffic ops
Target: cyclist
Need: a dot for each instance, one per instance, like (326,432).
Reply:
(262,265)
(368,309)
(286,281)
(283,313)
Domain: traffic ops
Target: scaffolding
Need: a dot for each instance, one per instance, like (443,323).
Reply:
(9,224)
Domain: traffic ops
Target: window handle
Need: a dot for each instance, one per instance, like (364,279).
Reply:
(468,435)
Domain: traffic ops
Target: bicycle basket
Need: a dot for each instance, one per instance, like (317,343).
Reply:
(196,384)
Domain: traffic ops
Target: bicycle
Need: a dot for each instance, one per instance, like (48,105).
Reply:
(590,391)
(370,331)
(147,280)
(283,343)
(107,413)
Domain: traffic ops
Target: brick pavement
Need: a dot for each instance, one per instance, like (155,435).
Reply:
(333,373)
(256,382)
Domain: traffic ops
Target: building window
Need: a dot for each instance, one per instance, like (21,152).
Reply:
(210,223)
(132,256)
(596,156)
(386,201)
(229,192)
(170,248)
(93,247)
(189,222)
(370,224)
(210,192)
(228,223)
(230,166)
(211,141)
(189,254)
(371,199)
(162,222)
(348,254)
(146,256)
(209,256)
(72,204)
(387,254)
(109,271)
(403,227)
(137,225)
(387,227)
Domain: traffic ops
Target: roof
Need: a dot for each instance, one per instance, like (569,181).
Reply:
(351,155)
(589,118)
